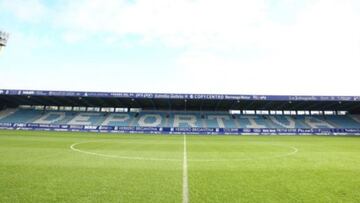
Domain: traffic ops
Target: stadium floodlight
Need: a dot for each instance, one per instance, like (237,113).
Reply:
(4,36)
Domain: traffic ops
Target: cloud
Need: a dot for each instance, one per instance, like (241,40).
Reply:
(229,25)
(199,23)
(26,10)
(210,24)
(317,54)
(232,46)
(73,37)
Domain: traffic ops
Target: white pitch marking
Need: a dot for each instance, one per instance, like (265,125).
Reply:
(72,147)
(185,175)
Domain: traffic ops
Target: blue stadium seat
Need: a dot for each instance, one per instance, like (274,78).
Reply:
(22,116)
(177,119)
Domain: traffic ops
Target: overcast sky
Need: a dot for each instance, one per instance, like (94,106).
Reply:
(277,47)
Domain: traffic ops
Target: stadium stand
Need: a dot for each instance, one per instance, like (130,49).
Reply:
(176,119)
(178,113)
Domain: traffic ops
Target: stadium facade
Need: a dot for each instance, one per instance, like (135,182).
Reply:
(178,113)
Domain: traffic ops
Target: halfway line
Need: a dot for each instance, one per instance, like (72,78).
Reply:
(185,175)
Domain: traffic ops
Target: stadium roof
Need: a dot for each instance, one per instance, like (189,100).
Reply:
(163,101)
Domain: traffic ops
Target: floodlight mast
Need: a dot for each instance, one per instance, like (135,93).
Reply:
(4,36)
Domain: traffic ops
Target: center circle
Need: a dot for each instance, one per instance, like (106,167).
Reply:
(130,150)
(197,152)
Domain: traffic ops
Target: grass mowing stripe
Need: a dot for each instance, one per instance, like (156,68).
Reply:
(73,147)
(185,175)
(40,167)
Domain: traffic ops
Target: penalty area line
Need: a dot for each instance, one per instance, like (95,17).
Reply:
(185,175)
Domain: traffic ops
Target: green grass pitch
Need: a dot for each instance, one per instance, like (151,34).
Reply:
(90,167)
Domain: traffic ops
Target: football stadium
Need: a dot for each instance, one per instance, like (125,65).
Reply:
(135,147)
(198,101)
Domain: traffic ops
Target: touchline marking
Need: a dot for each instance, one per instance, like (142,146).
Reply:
(185,175)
